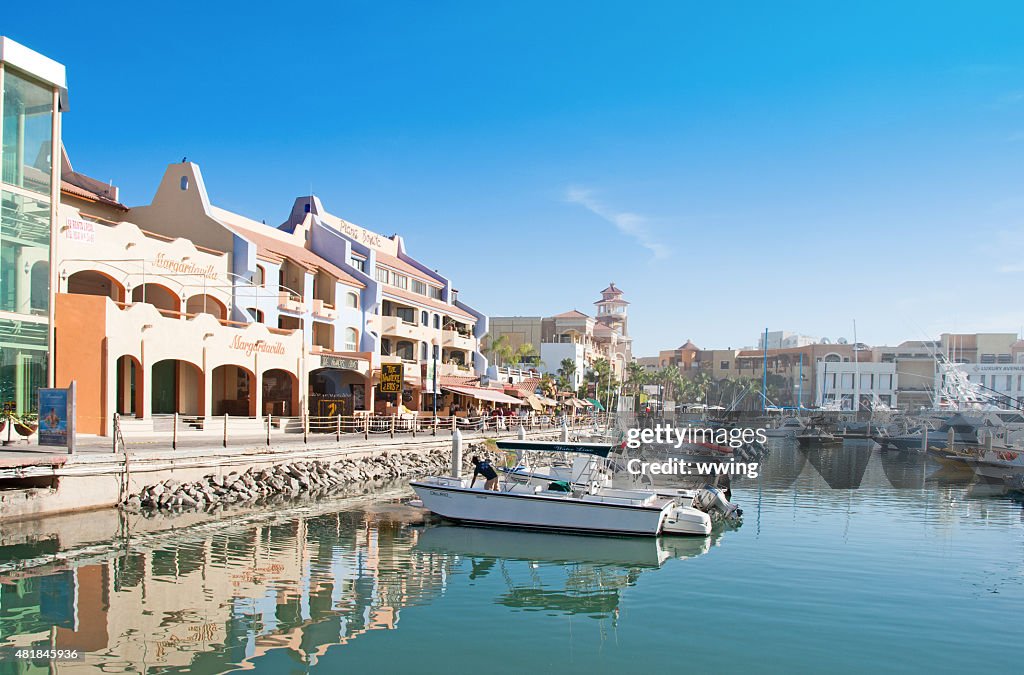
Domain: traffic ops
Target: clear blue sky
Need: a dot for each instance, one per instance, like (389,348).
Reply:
(731,166)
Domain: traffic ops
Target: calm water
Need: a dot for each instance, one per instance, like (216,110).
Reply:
(847,560)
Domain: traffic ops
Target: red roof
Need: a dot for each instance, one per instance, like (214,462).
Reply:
(299,254)
(424,301)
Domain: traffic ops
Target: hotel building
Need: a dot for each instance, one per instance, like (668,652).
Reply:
(182,307)
(573,335)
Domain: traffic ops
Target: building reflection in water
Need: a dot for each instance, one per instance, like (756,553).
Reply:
(215,602)
(222,595)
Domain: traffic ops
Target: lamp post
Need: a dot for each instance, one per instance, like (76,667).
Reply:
(433,379)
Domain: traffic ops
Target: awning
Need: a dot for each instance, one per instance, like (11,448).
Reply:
(547,401)
(595,403)
(491,395)
(534,402)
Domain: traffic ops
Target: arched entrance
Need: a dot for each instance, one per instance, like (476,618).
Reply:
(129,386)
(159,296)
(234,391)
(91,282)
(206,304)
(280,393)
(177,387)
(336,391)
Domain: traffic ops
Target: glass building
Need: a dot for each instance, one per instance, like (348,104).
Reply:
(34,95)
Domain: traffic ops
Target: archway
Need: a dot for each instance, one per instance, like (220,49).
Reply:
(129,387)
(234,391)
(91,282)
(336,391)
(280,393)
(161,297)
(177,387)
(206,304)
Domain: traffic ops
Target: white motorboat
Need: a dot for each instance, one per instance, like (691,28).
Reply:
(787,428)
(559,506)
(604,472)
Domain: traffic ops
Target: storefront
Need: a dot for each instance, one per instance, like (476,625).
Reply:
(340,386)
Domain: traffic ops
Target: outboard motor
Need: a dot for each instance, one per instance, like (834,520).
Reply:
(711,499)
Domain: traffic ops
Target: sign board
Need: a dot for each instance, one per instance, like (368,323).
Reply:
(57,417)
(392,376)
(80,230)
(331,407)
(329,361)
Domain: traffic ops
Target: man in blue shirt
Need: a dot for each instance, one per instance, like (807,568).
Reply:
(484,468)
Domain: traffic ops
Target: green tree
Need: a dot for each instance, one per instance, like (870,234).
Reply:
(525,353)
(567,375)
(500,350)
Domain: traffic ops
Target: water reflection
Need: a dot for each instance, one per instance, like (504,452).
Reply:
(278,591)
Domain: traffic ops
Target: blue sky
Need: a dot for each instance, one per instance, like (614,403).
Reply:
(731,166)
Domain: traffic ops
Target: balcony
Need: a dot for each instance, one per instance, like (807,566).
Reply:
(289,302)
(398,327)
(456,340)
(453,369)
(323,310)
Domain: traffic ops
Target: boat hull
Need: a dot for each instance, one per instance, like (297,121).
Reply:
(538,512)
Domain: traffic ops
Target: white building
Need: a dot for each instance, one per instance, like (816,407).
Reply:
(784,339)
(841,382)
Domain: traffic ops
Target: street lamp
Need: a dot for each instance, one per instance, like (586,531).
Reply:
(433,379)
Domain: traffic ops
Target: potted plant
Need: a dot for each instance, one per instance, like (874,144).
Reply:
(27,424)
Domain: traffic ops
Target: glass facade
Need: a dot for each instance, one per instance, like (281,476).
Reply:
(26,173)
(24,254)
(27,126)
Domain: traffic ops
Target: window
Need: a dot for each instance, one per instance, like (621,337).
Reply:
(1004,358)
(435,292)
(399,280)
(385,347)
(406,314)
(847,381)
(257,315)
(455,296)
(352,300)
(184,183)
(27,131)
(358,263)
(424,318)
(24,255)
(419,287)
(405,350)
(867,380)
(381,275)
(885,381)
(988,358)
(423,351)
(259,277)
(724,365)
(351,339)
(437,321)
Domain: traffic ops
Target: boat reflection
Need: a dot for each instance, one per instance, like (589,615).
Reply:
(559,573)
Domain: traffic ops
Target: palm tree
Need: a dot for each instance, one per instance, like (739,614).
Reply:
(547,385)
(636,376)
(525,353)
(567,375)
(500,350)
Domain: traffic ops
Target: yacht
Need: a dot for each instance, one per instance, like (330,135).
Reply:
(786,428)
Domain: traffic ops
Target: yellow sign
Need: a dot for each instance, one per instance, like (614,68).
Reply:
(391,376)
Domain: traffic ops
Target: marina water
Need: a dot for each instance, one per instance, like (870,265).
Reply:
(847,560)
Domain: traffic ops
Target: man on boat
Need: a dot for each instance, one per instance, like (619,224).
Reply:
(484,468)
